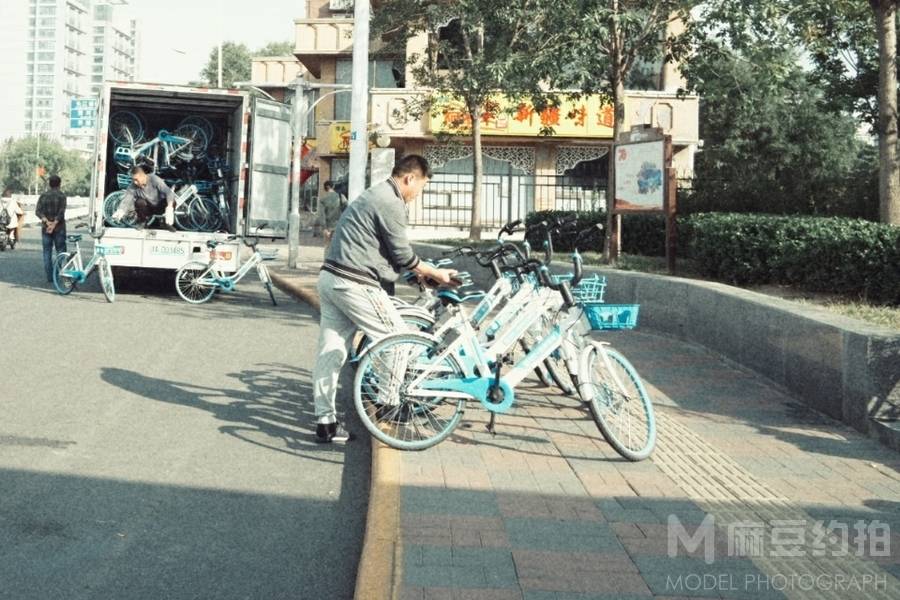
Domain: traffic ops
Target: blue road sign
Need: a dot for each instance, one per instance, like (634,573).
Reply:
(83,113)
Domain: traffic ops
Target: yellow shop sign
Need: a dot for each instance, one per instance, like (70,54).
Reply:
(588,116)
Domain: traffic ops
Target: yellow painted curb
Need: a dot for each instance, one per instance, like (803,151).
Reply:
(380,573)
(303,293)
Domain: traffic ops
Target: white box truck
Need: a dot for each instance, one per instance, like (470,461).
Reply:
(255,136)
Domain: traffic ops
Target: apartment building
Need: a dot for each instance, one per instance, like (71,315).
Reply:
(524,171)
(56,51)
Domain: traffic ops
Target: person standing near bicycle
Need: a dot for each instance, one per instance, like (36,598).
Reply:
(369,245)
(146,197)
(331,205)
(51,210)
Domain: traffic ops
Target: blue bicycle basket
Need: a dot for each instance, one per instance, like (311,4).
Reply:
(611,316)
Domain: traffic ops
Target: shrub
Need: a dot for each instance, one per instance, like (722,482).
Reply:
(829,254)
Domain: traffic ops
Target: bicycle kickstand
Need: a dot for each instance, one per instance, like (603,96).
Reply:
(491,424)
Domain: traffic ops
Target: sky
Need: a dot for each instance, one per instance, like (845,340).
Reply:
(178,35)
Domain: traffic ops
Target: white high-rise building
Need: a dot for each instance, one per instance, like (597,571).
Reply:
(52,51)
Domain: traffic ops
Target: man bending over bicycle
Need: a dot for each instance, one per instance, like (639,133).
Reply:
(369,245)
(146,197)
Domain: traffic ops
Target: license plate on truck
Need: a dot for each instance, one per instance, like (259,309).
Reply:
(166,254)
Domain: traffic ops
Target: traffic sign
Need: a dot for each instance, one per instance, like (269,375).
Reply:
(83,113)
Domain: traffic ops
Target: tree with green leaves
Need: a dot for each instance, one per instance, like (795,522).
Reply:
(607,38)
(19,160)
(771,143)
(276,49)
(853,47)
(236,60)
(476,49)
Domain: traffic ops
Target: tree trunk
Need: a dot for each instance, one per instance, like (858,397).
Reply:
(889,169)
(613,233)
(478,170)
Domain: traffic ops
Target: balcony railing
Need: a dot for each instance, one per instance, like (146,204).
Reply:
(315,39)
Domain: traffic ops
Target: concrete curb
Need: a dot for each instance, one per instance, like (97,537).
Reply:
(379,575)
(307,294)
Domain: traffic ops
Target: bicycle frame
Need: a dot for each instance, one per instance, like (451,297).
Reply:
(80,273)
(228,282)
(479,377)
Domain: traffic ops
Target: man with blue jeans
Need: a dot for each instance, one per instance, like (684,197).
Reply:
(51,210)
(369,246)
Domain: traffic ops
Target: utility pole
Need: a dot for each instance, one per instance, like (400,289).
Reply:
(359,104)
(299,117)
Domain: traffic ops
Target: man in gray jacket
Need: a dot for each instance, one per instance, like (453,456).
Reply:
(369,246)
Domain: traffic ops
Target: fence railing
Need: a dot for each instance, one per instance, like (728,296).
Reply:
(447,200)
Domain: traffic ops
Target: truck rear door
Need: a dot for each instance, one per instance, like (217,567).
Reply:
(268,198)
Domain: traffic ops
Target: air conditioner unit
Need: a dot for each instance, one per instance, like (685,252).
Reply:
(340,5)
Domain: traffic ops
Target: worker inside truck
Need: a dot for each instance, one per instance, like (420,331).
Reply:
(146,197)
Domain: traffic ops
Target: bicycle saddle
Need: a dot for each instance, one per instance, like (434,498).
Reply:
(74,237)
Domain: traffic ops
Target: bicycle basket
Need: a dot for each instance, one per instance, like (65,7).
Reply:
(589,289)
(611,316)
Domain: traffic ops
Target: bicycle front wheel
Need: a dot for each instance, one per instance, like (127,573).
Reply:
(62,278)
(195,282)
(380,393)
(619,403)
(106,280)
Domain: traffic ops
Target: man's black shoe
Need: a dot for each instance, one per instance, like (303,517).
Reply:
(170,228)
(332,432)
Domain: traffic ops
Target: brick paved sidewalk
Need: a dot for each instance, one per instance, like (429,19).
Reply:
(545,509)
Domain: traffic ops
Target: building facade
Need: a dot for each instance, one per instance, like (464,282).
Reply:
(524,170)
(55,51)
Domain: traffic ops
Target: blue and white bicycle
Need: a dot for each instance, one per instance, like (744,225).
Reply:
(69,269)
(411,388)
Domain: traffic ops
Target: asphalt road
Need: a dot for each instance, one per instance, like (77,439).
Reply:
(154,449)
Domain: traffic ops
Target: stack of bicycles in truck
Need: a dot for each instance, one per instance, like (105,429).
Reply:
(475,347)
(186,154)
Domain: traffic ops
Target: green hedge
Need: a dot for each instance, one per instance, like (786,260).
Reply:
(828,254)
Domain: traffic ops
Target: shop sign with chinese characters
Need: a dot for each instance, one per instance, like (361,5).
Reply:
(587,117)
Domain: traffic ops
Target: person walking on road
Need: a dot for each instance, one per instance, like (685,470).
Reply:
(331,205)
(51,210)
(11,216)
(369,245)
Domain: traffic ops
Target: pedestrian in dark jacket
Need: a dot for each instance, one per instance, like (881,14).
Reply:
(51,210)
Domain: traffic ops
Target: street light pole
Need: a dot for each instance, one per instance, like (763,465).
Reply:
(359,104)
(299,117)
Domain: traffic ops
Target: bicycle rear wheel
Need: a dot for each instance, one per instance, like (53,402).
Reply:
(380,395)
(267,281)
(63,282)
(619,403)
(106,280)
(194,282)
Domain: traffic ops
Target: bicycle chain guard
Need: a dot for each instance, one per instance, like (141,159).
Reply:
(496,397)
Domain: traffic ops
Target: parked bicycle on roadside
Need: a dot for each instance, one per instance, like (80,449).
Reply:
(197,281)
(69,269)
